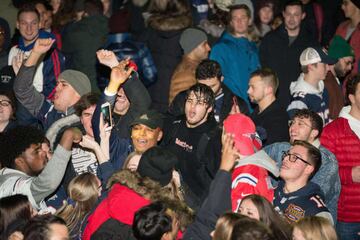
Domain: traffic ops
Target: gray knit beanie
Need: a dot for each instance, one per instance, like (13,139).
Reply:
(78,80)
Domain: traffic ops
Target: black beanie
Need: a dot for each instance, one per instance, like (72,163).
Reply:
(157,163)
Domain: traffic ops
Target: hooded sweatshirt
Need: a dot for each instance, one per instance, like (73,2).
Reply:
(251,176)
(306,96)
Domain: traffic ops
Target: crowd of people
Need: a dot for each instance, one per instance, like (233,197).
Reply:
(180,119)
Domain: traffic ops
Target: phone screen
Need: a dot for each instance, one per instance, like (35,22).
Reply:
(106,114)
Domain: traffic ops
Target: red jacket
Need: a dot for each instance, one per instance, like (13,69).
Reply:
(251,176)
(354,41)
(345,145)
(121,204)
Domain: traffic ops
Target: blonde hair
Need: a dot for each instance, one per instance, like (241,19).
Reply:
(225,225)
(84,191)
(314,228)
(128,158)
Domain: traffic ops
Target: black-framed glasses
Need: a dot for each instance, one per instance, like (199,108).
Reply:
(5,103)
(293,157)
(300,123)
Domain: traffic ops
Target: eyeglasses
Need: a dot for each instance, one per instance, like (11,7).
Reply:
(300,123)
(293,157)
(5,103)
(196,101)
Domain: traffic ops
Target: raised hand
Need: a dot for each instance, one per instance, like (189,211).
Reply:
(107,58)
(88,142)
(119,75)
(42,45)
(17,61)
(229,152)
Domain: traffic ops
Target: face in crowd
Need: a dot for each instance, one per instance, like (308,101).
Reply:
(293,15)
(65,96)
(144,137)
(196,110)
(28,24)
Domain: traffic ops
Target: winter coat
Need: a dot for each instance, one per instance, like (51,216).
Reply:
(162,38)
(183,77)
(327,176)
(277,54)
(238,58)
(305,95)
(120,205)
(217,203)
(250,176)
(80,43)
(344,141)
(48,70)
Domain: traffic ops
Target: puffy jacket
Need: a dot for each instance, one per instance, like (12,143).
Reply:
(121,205)
(341,140)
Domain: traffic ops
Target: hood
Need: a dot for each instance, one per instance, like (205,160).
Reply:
(260,159)
(353,122)
(164,22)
(4,24)
(95,25)
(302,86)
(42,34)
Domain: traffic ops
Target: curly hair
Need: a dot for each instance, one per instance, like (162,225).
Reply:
(15,142)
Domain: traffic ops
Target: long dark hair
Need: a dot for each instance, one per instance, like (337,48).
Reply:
(267,214)
(13,208)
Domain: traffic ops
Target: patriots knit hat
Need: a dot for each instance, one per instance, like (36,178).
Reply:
(313,55)
(246,139)
(340,48)
(226,5)
(78,80)
(191,38)
(157,163)
(356,3)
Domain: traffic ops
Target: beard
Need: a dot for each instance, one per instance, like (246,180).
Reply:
(339,72)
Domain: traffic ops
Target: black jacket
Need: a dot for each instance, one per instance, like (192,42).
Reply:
(273,122)
(276,54)
(177,106)
(217,203)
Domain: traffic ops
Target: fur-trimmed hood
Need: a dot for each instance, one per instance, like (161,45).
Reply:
(166,22)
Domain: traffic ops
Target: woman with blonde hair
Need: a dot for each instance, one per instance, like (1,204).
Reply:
(313,228)
(84,191)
